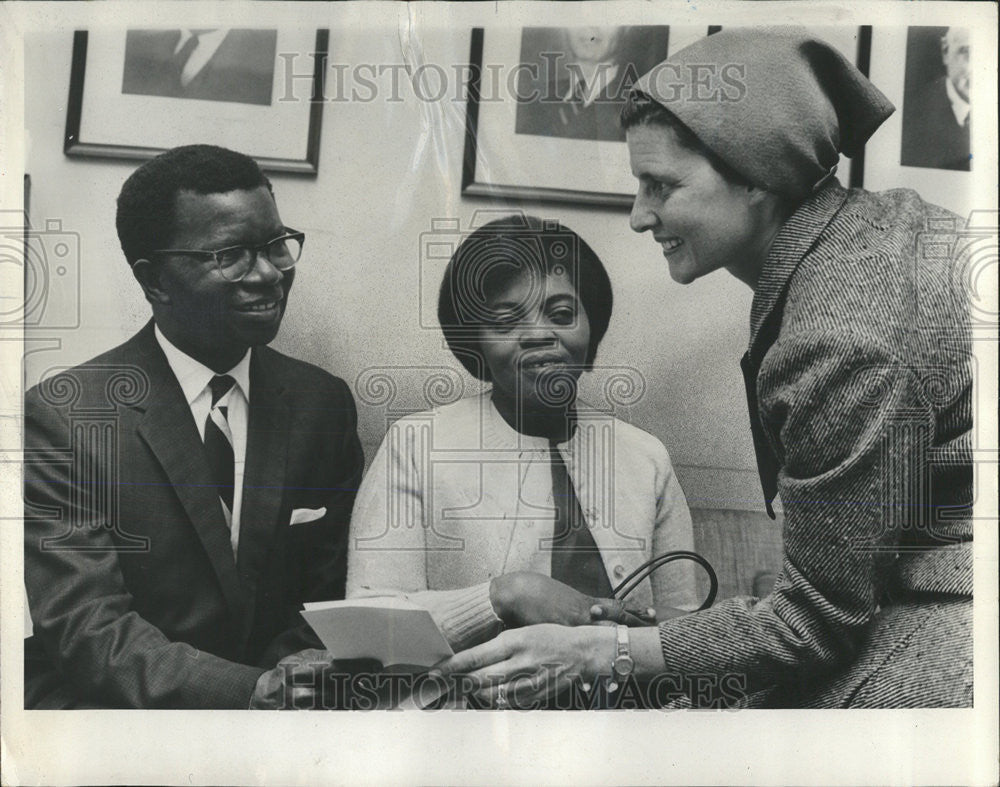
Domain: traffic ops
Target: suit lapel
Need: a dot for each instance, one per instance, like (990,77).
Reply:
(264,473)
(171,434)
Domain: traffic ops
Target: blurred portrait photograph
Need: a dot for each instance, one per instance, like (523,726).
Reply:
(210,64)
(577,78)
(936,106)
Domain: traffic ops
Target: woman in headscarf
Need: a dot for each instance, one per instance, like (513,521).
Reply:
(858,379)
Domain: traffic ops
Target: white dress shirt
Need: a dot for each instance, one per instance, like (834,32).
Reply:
(208,44)
(592,84)
(194,378)
(959,106)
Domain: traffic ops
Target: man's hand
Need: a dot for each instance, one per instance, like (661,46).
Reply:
(303,681)
(524,598)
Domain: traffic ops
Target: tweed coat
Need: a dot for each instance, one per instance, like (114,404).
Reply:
(135,596)
(861,339)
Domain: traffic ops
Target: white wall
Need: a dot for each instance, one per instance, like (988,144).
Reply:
(386,170)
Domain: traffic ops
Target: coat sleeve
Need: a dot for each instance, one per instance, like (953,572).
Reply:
(387,553)
(81,609)
(851,428)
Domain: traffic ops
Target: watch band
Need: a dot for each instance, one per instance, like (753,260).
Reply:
(623,665)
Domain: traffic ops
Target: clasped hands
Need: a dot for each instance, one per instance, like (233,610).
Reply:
(523,600)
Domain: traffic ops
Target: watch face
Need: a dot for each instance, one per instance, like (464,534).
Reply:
(623,666)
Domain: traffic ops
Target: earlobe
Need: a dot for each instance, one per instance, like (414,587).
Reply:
(148,276)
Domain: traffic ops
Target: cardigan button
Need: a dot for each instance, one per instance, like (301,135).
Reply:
(619,571)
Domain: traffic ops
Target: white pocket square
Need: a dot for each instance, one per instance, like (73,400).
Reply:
(302,515)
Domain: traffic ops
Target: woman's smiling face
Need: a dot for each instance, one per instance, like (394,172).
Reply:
(537,341)
(702,221)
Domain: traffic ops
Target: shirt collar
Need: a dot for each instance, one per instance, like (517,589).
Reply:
(601,78)
(194,376)
(501,435)
(959,106)
(212,38)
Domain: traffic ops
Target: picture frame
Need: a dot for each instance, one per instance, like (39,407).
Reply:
(243,104)
(496,123)
(895,57)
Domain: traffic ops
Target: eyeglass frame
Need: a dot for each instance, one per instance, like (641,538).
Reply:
(289,234)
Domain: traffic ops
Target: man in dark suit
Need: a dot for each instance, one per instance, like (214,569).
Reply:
(188,490)
(936,122)
(210,64)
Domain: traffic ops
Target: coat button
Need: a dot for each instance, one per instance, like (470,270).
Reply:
(619,571)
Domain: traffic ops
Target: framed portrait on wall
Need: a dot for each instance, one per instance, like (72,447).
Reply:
(925,144)
(135,93)
(542,117)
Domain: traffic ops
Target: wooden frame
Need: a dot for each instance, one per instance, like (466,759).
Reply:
(482,132)
(475,184)
(189,121)
(885,63)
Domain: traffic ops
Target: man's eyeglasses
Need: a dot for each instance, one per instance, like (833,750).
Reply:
(235,262)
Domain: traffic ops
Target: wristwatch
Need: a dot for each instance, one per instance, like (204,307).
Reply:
(623,665)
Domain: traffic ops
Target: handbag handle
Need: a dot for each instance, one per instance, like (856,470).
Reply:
(631,582)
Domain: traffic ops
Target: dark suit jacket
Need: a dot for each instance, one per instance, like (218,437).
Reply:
(135,596)
(549,115)
(240,70)
(931,135)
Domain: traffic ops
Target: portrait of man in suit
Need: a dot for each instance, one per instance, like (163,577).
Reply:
(210,64)
(577,78)
(936,106)
(187,491)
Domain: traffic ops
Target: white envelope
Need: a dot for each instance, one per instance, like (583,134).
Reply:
(302,515)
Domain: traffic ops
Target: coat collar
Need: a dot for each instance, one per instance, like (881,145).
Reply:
(498,435)
(798,235)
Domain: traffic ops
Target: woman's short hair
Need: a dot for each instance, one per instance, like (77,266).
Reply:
(501,251)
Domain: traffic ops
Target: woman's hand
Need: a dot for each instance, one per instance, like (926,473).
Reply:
(524,666)
(524,598)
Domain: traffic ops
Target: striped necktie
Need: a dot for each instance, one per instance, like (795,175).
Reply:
(219,440)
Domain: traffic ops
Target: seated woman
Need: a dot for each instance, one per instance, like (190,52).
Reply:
(518,506)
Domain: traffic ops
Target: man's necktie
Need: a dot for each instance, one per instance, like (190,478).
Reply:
(576,560)
(218,440)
